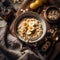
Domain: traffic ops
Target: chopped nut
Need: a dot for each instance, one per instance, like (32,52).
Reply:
(56,38)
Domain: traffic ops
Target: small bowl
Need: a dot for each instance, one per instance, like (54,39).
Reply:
(30,14)
(51,8)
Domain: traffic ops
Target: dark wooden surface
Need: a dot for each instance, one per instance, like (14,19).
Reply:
(41,11)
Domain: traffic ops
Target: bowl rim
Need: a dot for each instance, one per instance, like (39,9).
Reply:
(31,14)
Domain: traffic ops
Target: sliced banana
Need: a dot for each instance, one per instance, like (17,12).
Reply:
(28,32)
(31,23)
(31,28)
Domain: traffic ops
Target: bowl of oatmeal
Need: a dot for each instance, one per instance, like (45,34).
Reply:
(30,27)
(53,14)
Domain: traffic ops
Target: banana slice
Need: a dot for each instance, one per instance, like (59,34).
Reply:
(32,23)
(25,23)
(31,28)
(28,32)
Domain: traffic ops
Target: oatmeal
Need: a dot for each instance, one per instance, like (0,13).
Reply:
(30,29)
(53,15)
